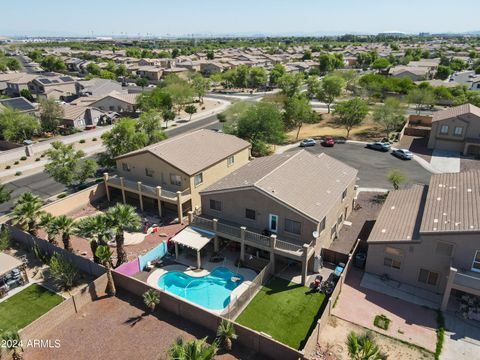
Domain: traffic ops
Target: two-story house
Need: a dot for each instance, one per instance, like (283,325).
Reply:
(289,205)
(429,236)
(456,129)
(169,175)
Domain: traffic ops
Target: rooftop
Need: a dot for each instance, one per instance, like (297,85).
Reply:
(17,103)
(456,111)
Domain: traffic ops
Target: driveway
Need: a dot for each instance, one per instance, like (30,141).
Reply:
(446,161)
(373,166)
(462,338)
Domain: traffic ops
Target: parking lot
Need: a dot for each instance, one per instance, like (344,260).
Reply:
(372,165)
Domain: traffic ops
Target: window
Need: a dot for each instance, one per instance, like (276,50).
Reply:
(250,214)
(444,129)
(476,262)
(322,225)
(458,131)
(393,251)
(125,167)
(427,277)
(149,172)
(230,160)
(215,205)
(333,230)
(392,263)
(344,195)
(444,249)
(198,179)
(175,180)
(293,227)
(340,219)
(273,220)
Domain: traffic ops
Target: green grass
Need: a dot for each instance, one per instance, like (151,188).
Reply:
(284,310)
(28,305)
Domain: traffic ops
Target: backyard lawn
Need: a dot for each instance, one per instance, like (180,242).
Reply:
(284,310)
(28,305)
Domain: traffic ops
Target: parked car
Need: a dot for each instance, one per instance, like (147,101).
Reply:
(308,142)
(403,154)
(328,141)
(379,146)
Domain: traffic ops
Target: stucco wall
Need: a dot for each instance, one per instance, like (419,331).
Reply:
(118,105)
(471,129)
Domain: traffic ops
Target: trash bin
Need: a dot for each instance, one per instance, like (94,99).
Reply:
(360,260)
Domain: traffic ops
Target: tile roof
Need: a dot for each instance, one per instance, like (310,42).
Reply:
(307,183)
(456,111)
(400,217)
(194,151)
(453,203)
(18,103)
(122,96)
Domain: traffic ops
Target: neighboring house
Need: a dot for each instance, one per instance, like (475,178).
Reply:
(210,67)
(429,236)
(170,174)
(301,198)
(80,117)
(56,87)
(118,101)
(456,129)
(18,103)
(97,87)
(152,73)
(16,84)
(412,72)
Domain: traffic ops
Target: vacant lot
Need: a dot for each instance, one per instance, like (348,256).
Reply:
(284,310)
(26,306)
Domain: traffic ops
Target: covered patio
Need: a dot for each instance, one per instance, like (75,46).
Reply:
(193,238)
(12,273)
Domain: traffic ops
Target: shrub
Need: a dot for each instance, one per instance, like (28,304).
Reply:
(18,173)
(4,238)
(23,158)
(440,334)
(382,322)
(63,271)
(82,141)
(94,139)
(43,155)
(8,167)
(16,162)
(37,159)
(61,195)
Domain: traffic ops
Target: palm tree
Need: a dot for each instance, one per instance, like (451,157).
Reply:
(151,298)
(104,254)
(226,333)
(192,350)
(47,221)
(96,229)
(4,194)
(363,347)
(396,178)
(122,217)
(66,226)
(12,342)
(26,211)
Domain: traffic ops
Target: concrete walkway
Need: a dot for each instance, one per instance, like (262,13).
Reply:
(445,161)
(462,338)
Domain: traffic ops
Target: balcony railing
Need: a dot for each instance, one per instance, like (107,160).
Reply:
(467,279)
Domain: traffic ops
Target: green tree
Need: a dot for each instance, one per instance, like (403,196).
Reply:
(363,347)
(141,81)
(277,72)
(122,217)
(180,91)
(210,55)
(443,72)
(330,62)
(391,115)
(63,271)
(380,64)
(47,222)
(121,70)
(201,85)
(93,69)
(351,113)
(5,194)
(168,115)
(330,88)
(396,178)
(226,333)
(13,64)
(158,99)
(16,126)
(258,77)
(27,94)
(150,124)
(66,226)
(290,84)
(104,254)
(192,350)
(85,170)
(53,63)
(298,111)
(96,229)
(151,298)
(4,238)
(190,109)
(26,212)
(50,114)
(421,98)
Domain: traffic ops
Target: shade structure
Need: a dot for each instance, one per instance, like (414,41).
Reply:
(193,238)
(8,263)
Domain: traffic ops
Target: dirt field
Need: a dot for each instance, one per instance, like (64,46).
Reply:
(332,344)
(368,131)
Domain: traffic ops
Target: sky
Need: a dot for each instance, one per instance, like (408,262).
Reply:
(183,17)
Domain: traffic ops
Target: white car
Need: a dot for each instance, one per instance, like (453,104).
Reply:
(403,154)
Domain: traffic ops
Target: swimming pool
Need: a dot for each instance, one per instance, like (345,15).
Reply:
(211,291)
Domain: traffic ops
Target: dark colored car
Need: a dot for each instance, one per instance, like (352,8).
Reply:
(328,141)
(307,142)
(402,154)
(379,146)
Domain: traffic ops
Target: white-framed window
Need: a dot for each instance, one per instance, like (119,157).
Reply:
(444,129)
(230,160)
(392,263)
(273,223)
(149,172)
(215,205)
(458,131)
(125,167)
(476,262)
(293,227)
(393,251)
(428,277)
(444,249)
(198,179)
(175,180)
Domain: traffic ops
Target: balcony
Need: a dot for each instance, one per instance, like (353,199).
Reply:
(467,279)
(236,232)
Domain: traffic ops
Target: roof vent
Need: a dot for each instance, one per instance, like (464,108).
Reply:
(384,231)
(469,190)
(439,198)
(392,208)
(435,221)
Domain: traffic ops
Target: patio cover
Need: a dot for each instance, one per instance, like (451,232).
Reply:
(8,263)
(193,238)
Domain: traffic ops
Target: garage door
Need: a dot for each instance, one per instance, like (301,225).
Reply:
(474,150)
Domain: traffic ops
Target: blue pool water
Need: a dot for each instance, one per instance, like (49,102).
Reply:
(211,291)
